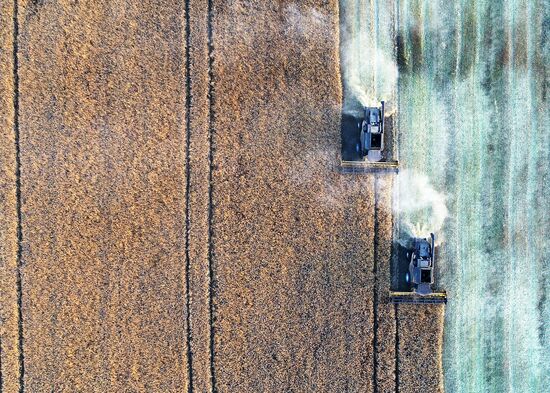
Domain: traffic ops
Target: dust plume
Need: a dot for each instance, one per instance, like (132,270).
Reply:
(367,59)
(362,65)
(306,21)
(420,206)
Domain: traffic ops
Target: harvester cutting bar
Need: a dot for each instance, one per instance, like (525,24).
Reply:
(411,297)
(368,167)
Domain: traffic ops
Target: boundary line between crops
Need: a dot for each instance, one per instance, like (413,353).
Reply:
(18,195)
(393,258)
(210,192)
(375,290)
(187,196)
(340,55)
(398,43)
(1,375)
(395,307)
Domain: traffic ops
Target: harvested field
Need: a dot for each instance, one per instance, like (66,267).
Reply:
(169,175)
(489,59)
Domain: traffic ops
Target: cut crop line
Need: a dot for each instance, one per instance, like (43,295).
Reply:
(187,190)
(397,33)
(18,194)
(396,321)
(1,375)
(210,193)
(395,308)
(375,290)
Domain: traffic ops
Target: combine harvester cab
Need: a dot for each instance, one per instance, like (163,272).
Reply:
(420,275)
(371,136)
(363,142)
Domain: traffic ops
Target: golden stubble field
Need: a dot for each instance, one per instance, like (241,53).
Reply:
(172,170)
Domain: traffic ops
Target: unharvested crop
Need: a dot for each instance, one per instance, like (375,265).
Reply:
(420,330)
(101,104)
(183,217)
(9,351)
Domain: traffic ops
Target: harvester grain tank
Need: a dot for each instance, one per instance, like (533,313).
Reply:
(371,134)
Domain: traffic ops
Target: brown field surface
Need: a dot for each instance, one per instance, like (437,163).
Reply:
(420,345)
(101,115)
(9,314)
(171,204)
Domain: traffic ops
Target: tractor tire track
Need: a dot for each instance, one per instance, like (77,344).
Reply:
(16,130)
(10,283)
(375,288)
(395,308)
(188,97)
(211,131)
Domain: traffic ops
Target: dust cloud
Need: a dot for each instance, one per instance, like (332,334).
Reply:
(367,58)
(421,208)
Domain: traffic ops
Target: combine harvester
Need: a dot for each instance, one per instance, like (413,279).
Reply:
(420,275)
(363,143)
